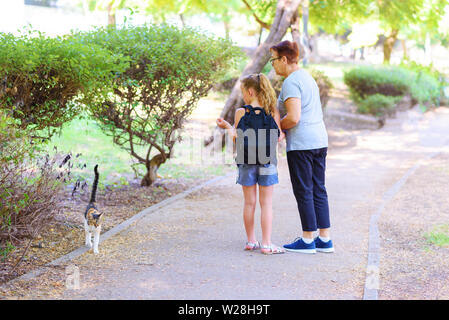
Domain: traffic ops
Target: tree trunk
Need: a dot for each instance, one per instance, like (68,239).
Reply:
(152,168)
(183,21)
(388,45)
(227,28)
(314,53)
(305,21)
(404,49)
(260,36)
(296,34)
(111,15)
(285,11)
(428,49)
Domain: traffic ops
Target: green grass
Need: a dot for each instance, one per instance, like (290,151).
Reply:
(439,236)
(84,136)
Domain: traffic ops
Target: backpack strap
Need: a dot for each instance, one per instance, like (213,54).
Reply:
(265,116)
(249,107)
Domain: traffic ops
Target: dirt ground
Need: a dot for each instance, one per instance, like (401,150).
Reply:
(411,266)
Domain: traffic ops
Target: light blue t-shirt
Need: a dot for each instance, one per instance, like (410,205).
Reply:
(310,132)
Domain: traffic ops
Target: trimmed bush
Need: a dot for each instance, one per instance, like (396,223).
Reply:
(378,105)
(365,81)
(169,70)
(44,80)
(430,82)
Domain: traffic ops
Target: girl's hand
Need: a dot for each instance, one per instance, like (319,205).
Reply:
(281,136)
(223,124)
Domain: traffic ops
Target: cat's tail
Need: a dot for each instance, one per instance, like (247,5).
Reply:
(95,184)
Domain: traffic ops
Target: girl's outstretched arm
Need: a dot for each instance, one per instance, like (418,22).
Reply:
(226,125)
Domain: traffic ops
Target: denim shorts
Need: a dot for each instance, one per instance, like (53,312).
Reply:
(250,174)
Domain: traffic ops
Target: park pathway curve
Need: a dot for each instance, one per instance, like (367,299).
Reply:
(193,248)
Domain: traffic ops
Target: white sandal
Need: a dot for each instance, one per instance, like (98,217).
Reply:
(272,249)
(252,246)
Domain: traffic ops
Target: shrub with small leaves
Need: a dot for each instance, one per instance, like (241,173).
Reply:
(392,81)
(378,105)
(170,69)
(44,80)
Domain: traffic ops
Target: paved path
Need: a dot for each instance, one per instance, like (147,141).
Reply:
(193,248)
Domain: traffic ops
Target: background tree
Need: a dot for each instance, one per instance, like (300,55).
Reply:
(285,12)
(170,69)
(428,28)
(111,6)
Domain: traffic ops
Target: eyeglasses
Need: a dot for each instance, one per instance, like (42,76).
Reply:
(272,60)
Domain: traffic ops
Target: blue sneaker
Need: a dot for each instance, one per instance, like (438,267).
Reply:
(322,246)
(300,246)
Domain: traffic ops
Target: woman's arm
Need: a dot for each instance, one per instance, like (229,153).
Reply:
(277,118)
(293,107)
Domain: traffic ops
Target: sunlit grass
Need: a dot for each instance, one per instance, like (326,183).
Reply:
(439,236)
(334,70)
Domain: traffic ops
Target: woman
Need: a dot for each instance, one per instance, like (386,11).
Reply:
(302,120)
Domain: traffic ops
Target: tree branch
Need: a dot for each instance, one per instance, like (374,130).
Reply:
(262,24)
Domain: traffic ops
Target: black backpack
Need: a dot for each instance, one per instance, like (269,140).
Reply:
(256,133)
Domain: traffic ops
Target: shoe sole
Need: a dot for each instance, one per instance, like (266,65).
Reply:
(327,250)
(309,251)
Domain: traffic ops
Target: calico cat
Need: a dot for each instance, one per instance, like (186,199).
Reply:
(92,217)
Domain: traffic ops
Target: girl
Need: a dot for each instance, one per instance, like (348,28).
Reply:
(257,92)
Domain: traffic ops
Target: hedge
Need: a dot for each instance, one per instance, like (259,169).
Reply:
(44,81)
(392,81)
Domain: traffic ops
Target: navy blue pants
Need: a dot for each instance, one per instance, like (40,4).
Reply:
(307,175)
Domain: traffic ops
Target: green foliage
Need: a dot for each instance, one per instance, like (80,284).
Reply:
(5,248)
(336,16)
(392,81)
(366,80)
(265,10)
(378,105)
(431,82)
(439,236)
(169,70)
(44,80)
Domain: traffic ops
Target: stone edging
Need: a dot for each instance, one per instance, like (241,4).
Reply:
(372,280)
(115,230)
